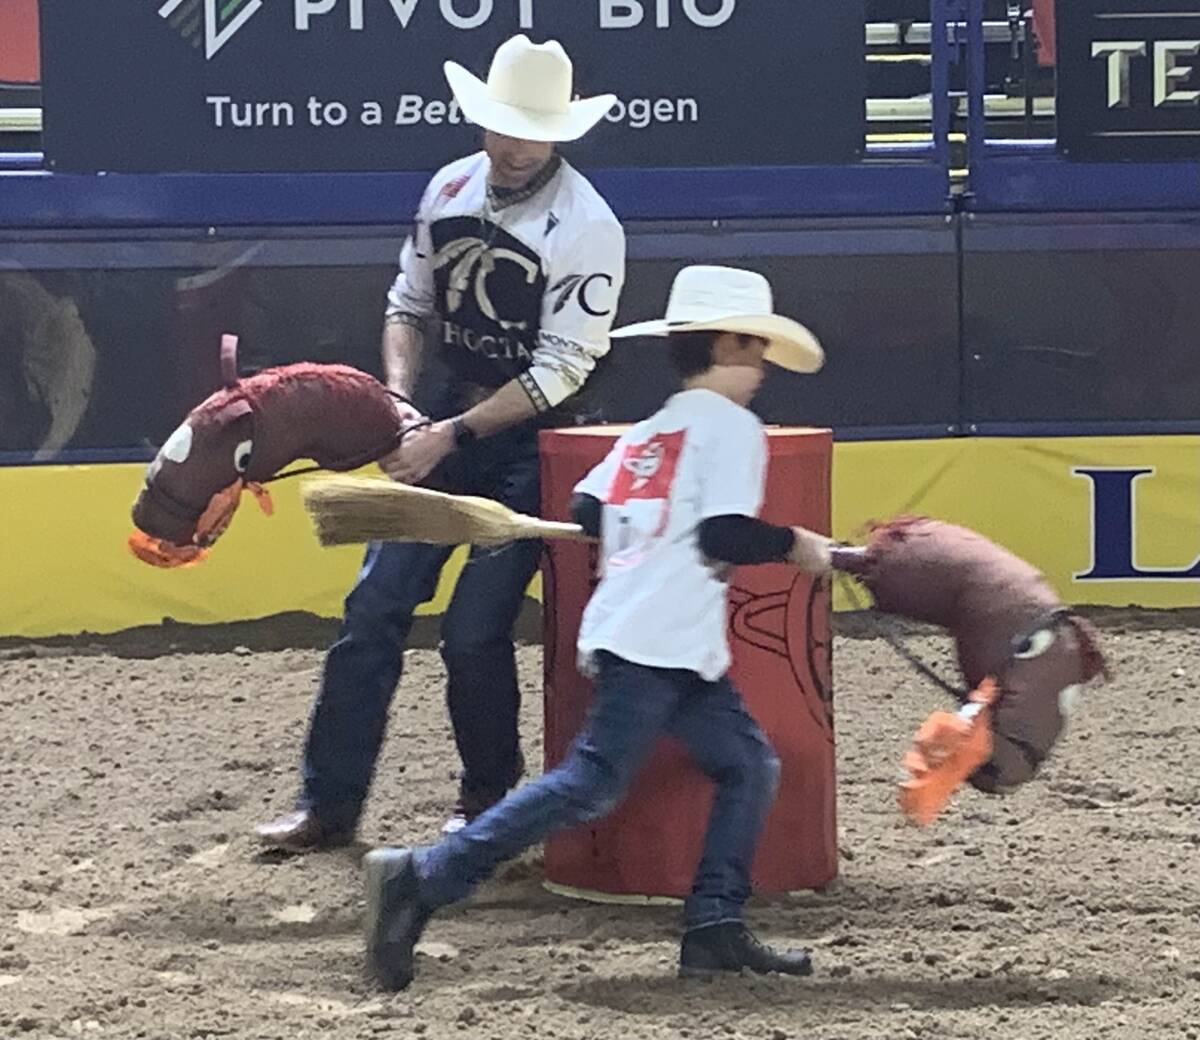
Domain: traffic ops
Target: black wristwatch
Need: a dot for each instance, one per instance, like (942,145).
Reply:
(463,434)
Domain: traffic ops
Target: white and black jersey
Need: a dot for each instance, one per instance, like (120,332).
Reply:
(525,284)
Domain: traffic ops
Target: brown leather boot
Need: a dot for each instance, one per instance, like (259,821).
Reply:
(301,831)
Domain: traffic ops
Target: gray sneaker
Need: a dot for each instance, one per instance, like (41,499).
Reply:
(396,917)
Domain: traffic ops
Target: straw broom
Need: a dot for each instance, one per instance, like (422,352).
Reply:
(346,510)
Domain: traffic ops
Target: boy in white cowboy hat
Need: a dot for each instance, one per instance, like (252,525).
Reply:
(675,505)
(522,263)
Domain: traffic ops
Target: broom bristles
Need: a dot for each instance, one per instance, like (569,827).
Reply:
(346,510)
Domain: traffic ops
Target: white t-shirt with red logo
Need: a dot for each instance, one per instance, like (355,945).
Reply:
(660,602)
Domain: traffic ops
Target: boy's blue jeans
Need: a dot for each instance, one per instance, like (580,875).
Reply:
(634,705)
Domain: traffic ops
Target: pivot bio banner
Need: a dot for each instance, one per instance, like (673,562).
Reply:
(357,85)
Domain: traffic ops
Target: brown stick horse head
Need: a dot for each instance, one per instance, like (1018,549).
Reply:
(242,436)
(1007,622)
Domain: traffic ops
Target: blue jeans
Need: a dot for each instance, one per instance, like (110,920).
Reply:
(634,705)
(363,667)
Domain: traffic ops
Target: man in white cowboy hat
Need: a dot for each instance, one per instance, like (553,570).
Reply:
(675,505)
(522,264)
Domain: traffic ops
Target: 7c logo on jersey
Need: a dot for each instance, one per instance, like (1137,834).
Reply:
(579,286)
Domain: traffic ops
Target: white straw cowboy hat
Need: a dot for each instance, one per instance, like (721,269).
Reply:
(527,94)
(728,299)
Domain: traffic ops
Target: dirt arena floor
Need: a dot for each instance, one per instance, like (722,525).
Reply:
(134,903)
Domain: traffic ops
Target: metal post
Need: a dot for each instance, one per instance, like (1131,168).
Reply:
(939,83)
(1029,68)
(976,84)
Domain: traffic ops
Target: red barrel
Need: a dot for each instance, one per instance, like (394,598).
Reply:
(779,626)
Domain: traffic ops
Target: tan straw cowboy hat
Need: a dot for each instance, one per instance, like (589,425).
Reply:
(729,299)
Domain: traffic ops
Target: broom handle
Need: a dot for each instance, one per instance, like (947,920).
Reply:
(532,527)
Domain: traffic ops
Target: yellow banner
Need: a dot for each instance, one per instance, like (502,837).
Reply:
(65,566)
(1109,520)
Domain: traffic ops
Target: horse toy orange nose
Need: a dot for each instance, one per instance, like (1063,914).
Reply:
(242,436)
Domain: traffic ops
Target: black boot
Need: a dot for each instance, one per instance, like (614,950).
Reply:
(731,946)
(396,917)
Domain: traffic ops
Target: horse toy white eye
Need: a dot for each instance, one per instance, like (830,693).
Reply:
(241,455)
(1035,645)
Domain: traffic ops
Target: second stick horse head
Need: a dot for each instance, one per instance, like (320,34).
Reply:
(1011,632)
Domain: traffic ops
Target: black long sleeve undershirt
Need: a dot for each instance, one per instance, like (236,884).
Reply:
(586,511)
(727,539)
(744,539)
